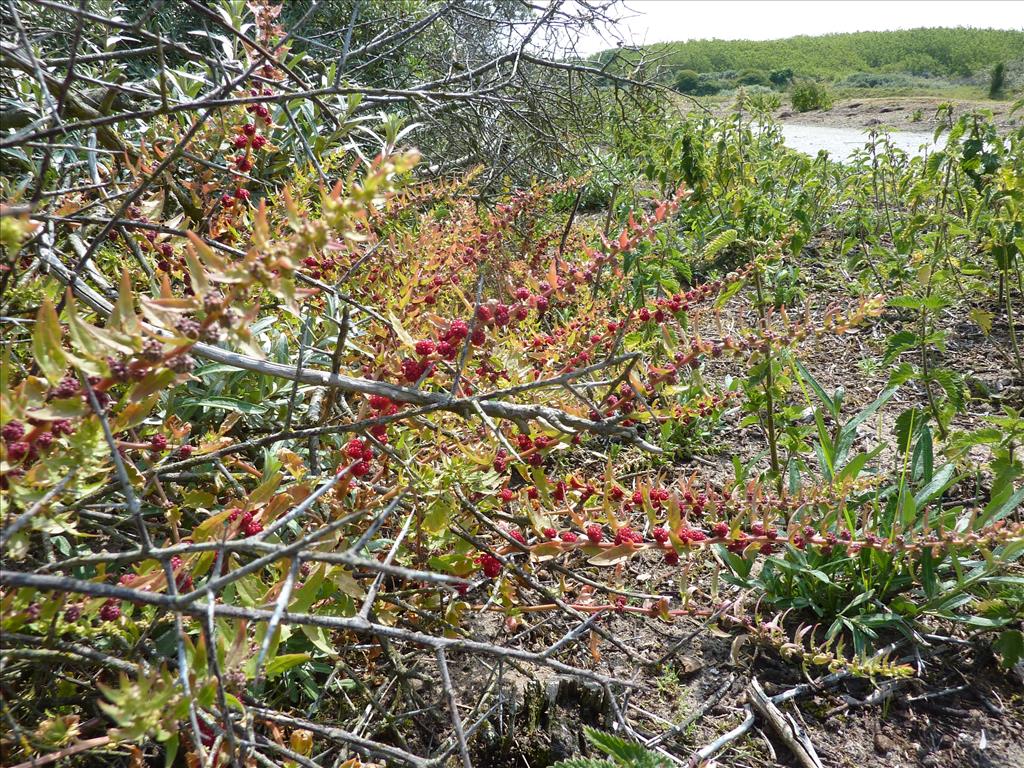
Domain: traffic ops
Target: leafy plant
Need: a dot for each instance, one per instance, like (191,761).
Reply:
(808,95)
(621,753)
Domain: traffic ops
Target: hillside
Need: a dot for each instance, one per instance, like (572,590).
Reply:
(858,58)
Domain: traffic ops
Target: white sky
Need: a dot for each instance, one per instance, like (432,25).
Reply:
(657,21)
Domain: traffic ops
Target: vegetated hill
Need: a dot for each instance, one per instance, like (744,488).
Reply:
(957,52)
(936,52)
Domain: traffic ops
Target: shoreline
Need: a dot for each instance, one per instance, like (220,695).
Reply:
(904,113)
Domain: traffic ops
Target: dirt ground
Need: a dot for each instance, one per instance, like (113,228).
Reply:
(917,113)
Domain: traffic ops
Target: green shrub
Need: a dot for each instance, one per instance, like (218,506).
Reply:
(687,81)
(753,77)
(781,77)
(808,95)
(998,81)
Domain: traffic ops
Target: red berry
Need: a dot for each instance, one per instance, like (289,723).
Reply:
(249,129)
(379,402)
(594,533)
(671,557)
(569,537)
(721,530)
(517,535)
(126,579)
(490,565)
(550,533)
(68,387)
(413,369)
(184,451)
(252,528)
(354,448)
(258,142)
(522,293)
(13,431)
(158,443)
(425,347)
(17,451)
(446,350)
(111,610)
(234,513)
(242,194)
(458,329)
(691,534)
(507,494)
(240,142)
(660,535)
(626,535)
(361,469)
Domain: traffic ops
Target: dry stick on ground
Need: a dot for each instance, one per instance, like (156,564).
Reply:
(784,726)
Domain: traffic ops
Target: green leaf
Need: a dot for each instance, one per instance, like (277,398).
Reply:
(46,343)
(982,318)
(818,389)
(627,754)
(284,662)
(170,750)
(938,485)
(1010,645)
(720,243)
(225,404)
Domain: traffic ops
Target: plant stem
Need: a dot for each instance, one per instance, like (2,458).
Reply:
(769,386)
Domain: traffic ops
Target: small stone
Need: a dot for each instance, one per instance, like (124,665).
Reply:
(883,744)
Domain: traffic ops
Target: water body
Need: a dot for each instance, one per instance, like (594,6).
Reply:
(840,143)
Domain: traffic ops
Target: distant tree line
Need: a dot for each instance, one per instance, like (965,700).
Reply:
(703,67)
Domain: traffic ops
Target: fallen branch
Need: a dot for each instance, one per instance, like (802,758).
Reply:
(53,757)
(718,744)
(784,726)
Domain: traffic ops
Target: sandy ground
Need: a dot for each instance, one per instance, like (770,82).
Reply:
(899,112)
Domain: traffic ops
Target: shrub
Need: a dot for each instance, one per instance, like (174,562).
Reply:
(997,81)
(781,77)
(753,77)
(687,81)
(808,95)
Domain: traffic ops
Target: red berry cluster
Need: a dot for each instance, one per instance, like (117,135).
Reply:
(21,443)
(111,610)
(250,526)
(360,454)
(626,535)
(182,578)
(489,564)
